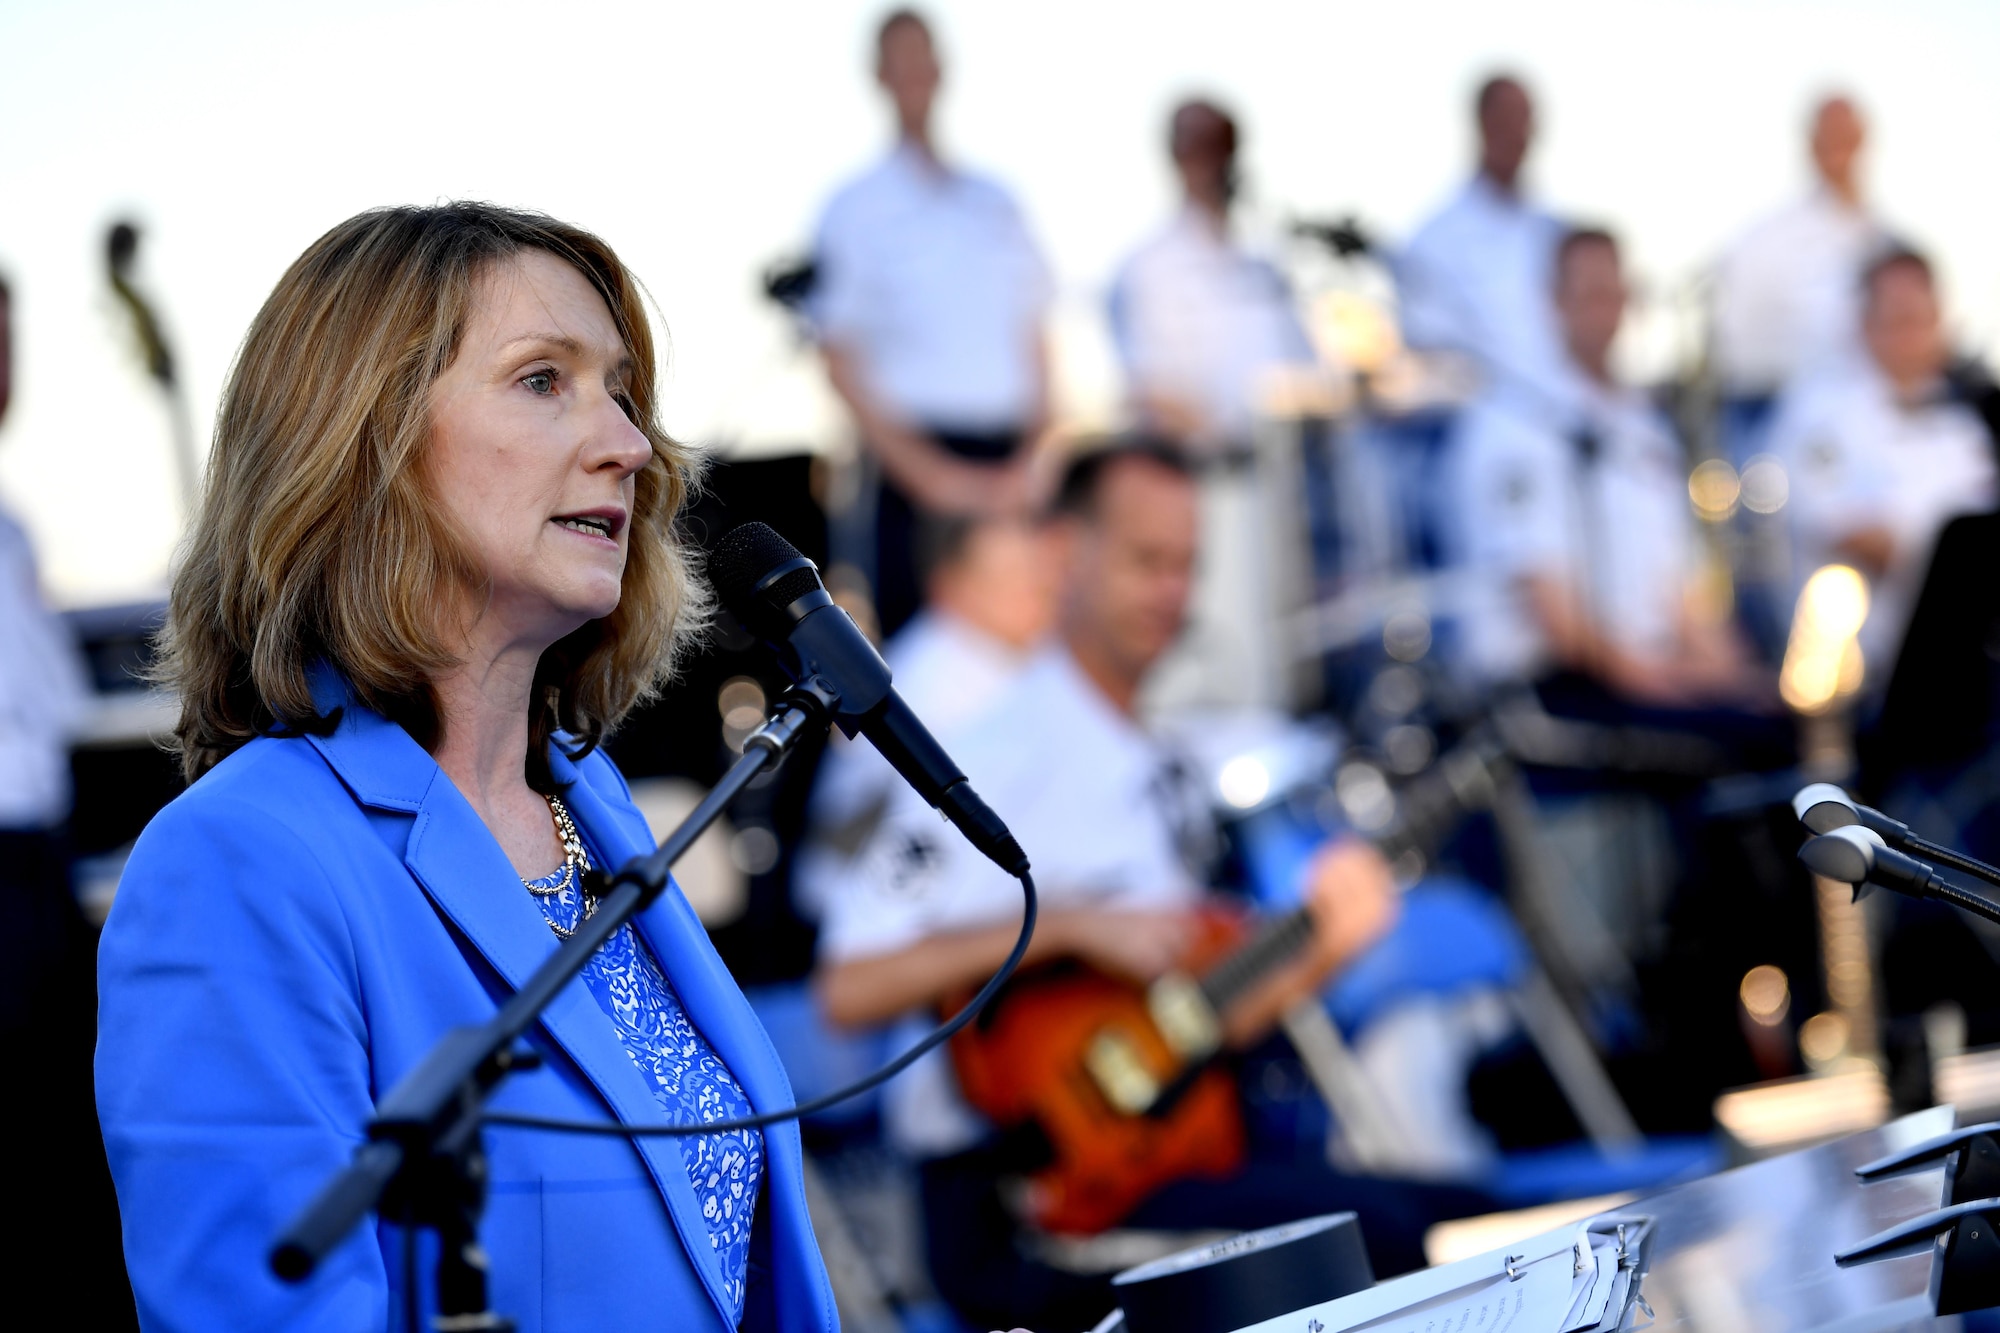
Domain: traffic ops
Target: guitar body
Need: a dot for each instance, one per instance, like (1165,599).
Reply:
(1117,1077)
(1028,1058)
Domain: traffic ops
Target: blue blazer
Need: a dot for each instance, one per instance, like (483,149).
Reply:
(290,937)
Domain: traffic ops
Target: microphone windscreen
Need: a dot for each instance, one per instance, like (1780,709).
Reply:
(743,559)
(1823,807)
(1839,857)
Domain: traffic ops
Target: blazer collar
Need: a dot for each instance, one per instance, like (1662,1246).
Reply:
(462,868)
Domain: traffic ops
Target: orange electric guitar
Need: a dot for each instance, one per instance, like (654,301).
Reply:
(1120,1080)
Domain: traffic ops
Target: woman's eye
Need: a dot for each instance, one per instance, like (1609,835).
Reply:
(542,381)
(630,408)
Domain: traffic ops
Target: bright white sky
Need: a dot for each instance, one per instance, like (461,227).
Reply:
(701,139)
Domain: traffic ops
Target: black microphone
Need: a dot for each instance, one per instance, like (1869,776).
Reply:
(776,592)
(1823,807)
(1855,854)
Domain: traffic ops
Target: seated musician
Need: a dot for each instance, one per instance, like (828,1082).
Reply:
(989,596)
(1572,516)
(912,921)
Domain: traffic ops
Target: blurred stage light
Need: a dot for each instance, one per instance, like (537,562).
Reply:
(1244,781)
(1823,659)
(1348,329)
(1396,691)
(741,703)
(1365,796)
(1409,748)
(1406,635)
(1765,487)
(754,849)
(1766,994)
(1714,488)
(1823,1040)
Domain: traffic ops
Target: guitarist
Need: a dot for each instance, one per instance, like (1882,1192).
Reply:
(1116,829)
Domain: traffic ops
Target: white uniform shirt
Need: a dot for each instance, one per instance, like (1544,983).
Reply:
(43,693)
(1202,321)
(1857,458)
(1479,278)
(1617,533)
(930,275)
(1094,800)
(948,673)
(1787,299)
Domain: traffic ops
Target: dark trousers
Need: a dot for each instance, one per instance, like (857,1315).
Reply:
(63,1213)
(898,582)
(990,1279)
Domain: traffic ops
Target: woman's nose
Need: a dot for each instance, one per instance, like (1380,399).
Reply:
(616,442)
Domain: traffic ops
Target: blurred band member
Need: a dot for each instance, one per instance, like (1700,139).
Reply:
(1881,458)
(1574,520)
(1201,322)
(1117,825)
(1207,332)
(43,696)
(929,308)
(989,600)
(46,994)
(1475,279)
(1787,293)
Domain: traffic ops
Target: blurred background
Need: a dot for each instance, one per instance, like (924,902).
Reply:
(704,142)
(1589,412)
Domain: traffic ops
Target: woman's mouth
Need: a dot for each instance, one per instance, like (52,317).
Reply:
(601,523)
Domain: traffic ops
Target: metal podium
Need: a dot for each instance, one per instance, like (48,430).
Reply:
(1748,1249)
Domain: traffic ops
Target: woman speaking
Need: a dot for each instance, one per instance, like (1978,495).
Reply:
(435,563)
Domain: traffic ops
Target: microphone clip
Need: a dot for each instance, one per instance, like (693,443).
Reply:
(1964,1234)
(1965,1241)
(1972,1153)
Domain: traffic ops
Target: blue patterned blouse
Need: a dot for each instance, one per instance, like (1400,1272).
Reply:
(687,1077)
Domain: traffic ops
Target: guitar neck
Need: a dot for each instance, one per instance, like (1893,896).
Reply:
(1271,947)
(1426,809)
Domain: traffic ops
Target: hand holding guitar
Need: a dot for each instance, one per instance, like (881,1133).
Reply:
(1352,894)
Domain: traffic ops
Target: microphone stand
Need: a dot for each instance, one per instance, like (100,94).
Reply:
(424,1161)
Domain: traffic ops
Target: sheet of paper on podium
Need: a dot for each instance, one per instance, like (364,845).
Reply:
(1576,1279)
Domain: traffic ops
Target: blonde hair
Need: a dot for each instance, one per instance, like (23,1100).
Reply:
(317,539)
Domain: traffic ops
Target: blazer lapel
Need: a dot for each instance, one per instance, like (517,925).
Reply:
(459,864)
(714,1002)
